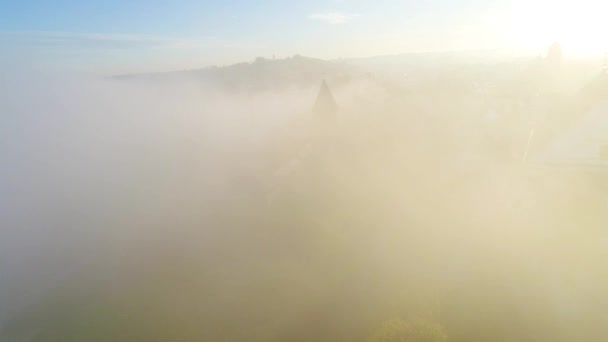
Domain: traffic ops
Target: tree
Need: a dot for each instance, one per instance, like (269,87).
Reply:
(398,330)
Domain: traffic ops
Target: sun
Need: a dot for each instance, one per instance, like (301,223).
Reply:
(580,26)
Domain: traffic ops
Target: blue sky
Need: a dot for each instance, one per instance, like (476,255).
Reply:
(135,35)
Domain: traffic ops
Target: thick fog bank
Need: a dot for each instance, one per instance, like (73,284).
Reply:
(141,212)
(95,167)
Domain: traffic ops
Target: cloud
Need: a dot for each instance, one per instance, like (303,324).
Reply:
(118,53)
(333,18)
(97,41)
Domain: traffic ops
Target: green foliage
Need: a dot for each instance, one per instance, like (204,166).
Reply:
(398,330)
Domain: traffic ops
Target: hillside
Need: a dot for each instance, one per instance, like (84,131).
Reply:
(261,74)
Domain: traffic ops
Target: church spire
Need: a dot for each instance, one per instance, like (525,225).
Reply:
(326,104)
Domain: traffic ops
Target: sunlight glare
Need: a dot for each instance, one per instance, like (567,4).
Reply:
(579,26)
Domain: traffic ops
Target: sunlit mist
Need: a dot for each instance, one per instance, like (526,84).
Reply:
(361,170)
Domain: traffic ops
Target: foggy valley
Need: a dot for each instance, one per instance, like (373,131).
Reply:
(421,197)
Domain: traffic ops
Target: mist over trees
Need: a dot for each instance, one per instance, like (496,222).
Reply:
(242,203)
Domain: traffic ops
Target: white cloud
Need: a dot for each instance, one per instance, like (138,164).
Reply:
(334,18)
(102,41)
(120,53)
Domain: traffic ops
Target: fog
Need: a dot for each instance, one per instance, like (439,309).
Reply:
(100,169)
(139,210)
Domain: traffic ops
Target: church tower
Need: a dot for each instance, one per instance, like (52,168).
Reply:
(554,55)
(326,104)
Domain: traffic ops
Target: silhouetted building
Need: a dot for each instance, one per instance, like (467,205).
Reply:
(325,104)
(554,56)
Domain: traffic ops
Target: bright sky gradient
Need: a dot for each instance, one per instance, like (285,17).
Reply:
(137,35)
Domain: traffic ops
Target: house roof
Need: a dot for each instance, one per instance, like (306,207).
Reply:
(584,144)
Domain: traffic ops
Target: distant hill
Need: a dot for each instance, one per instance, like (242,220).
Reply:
(490,56)
(267,74)
(261,74)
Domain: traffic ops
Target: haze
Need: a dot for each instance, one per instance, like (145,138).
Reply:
(317,171)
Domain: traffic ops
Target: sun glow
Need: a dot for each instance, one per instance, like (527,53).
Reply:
(580,26)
